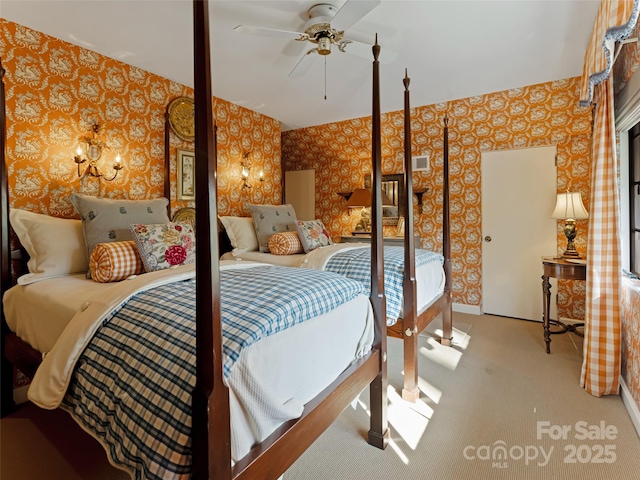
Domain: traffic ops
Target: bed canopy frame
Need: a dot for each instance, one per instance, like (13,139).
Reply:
(211,444)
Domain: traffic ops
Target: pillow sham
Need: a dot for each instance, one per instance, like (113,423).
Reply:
(241,233)
(107,220)
(165,245)
(313,234)
(285,243)
(55,245)
(270,219)
(115,261)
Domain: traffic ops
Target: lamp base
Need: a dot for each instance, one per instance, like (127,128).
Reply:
(571,254)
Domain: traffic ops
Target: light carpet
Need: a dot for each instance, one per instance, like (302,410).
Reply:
(493,406)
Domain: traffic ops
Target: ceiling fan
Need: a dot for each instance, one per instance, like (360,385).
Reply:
(325,28)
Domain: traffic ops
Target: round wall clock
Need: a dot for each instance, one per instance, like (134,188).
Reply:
(181,118)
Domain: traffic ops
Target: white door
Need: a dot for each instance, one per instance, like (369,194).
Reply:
(518,197)
(300,191)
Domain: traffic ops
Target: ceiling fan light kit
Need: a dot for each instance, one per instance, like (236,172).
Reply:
(319,30)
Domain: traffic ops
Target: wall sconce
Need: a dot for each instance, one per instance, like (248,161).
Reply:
(569,207)
(246,171)
(419,193)
(93,151)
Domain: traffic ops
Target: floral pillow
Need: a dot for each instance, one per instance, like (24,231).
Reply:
(313,234)
(165,245)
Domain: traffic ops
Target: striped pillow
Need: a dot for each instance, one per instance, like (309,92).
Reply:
(115,261)
(285,243)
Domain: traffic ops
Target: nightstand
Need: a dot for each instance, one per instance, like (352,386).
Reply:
(388,241)
(563,270)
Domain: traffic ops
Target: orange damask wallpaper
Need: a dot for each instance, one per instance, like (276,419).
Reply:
(630,313)
(56,91)
(536,115)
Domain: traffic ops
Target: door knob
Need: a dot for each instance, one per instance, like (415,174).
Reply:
(487,238)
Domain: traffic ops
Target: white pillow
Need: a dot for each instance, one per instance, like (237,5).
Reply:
(241,233)
(55,245)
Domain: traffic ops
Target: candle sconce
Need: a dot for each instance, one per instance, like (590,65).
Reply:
(93,151)
(245,165)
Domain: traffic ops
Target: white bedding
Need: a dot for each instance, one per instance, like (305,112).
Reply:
(430,277)
(270,258)
(267,387)
(39,312)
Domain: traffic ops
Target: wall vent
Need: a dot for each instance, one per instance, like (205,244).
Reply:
(420,163)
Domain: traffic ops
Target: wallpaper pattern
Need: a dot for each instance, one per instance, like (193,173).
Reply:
(630,313)
(56,91)
(537,115)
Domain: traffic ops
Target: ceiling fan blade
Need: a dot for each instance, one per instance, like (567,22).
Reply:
(351,12)
(269,32)
(363,50)
(303,64)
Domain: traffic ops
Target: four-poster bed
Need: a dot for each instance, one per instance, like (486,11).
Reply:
(210,438)
(417,294)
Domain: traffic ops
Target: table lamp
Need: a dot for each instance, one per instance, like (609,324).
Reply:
(569,207)
(361,198)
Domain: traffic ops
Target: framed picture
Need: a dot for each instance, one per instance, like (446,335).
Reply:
(186,170)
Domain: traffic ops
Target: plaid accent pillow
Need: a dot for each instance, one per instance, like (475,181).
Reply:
(285,243)
(165,245)
(313,234)
(115,261)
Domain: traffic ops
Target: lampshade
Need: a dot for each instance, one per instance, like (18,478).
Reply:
(362,198)
(570,206)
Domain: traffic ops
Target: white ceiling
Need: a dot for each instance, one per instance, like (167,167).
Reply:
(452,49)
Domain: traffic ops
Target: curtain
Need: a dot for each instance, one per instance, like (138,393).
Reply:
(601,348)
(601,366)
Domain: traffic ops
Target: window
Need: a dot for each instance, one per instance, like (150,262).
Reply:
(634,198)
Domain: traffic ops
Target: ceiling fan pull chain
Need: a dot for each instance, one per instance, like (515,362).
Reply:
(325,77)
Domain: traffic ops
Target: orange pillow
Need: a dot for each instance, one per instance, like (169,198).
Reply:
(285,243)
(115,261)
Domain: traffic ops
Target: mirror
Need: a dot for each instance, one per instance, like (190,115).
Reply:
(393,186)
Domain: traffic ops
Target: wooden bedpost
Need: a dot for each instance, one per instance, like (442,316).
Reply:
(410,392)
(379,432)
(211,438)
(167,161)
(6,368)
(447,312)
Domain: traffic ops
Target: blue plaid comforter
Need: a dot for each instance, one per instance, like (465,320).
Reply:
(356,264)
(132,385)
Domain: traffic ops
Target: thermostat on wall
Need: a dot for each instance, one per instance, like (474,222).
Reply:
(420,163)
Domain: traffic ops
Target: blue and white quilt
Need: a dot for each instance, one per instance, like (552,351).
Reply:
(133,358)
(355,262)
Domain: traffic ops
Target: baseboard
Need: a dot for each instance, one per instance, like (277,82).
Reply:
(20,394)
(462,308)
(630,405)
